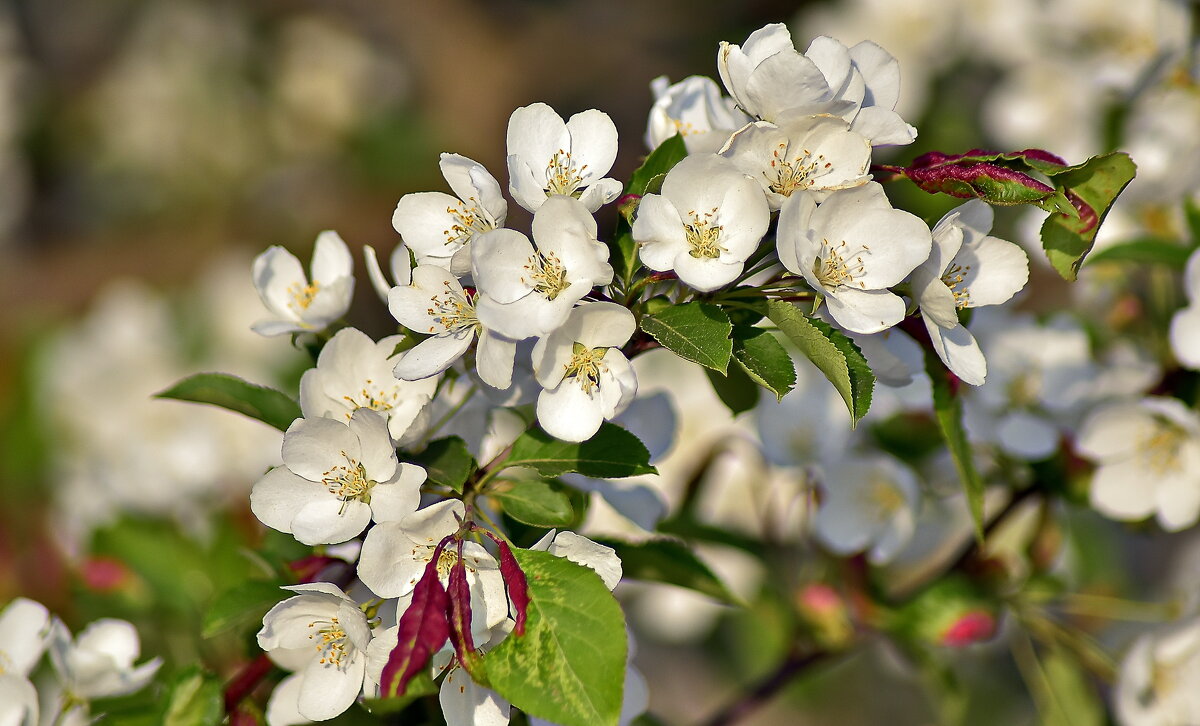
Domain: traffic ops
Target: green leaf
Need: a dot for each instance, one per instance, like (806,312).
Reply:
(1071,698)
(669,561)
(760,355)
(272,407)
(1093,186)
(736,390)
(623,253)
(832,352)
(195,700)
(694,331)
(420,686)
(447,462)
(569,667)
(668,154)
(612,453)
(240,604)
(947,409)
(535,503)
(1148,250)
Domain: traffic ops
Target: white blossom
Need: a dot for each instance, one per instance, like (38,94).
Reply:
(439,227)
(337,477)
(1185,325)
(547,156)
(868,503)
(707,221)
(850,249)
(297,305)
(1156,685)
(24,625)
(99,662)
(695,109)
(586,379)
(399,265)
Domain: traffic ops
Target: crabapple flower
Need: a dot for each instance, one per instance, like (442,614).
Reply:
(398,264)
(547,156)
(585,378)
(803,153)
(527,291)
(708,219)
(1147,456)
(24,625)
(354,372)
(695,109)
(435,304)
(439,227)
(297,305)
(1156,685)
(869,502)
(323,635)
(1185,325)
(850,249)
(337,476)
(394,556)
(770,79)
(99,662)
(966,269)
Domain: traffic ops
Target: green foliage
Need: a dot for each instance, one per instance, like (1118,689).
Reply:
(272,407)
(447,462)
(1063,694)
(569,667)
(535,503)
(1096,183)
(612,453)
(832,352)
(736,390)
(420,686)
(669,561)
(765,361)
(1147,250)
(243,603)
(947,409)
(195,699)
(659,162)
(694,331)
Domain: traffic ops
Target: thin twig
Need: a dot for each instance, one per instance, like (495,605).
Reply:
(793,666)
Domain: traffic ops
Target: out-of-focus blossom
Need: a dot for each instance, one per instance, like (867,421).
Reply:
(868,504)
(695,109)
(1156,683)
(1185,325)
(24,626)
(99,662)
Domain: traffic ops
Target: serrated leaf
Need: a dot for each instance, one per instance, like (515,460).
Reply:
(694,331)
(660,161)
(735,390)
(447,462)
(272,407)
(612,453)
(245,602)
(420,686)
(195,699)
(569,667)
(764,359)
(1092,188)
(669,561)
(623,255)
(947,410)
(535,503)
(832,352)
(1149,250)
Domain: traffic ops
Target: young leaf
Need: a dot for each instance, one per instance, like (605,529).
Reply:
(694,331)
(515,582)
(424,629)
(736,390)
(760,355)
(242,603)
(1148,250)
(1092,187)
(612,453)
(272,407)
(459,592)
(669,561)
(535,503)
(195,700)
(447,462)
(947,409)
(668,154)
(569,667)
(836,355)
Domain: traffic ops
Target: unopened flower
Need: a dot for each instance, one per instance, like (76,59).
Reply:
(547,156)
(695,109)
(296,304)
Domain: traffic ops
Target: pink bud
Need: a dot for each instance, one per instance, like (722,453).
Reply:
(970,627)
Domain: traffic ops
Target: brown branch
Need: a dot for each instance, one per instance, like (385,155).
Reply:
(795,665)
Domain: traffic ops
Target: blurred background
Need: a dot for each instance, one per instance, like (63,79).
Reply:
(150,148)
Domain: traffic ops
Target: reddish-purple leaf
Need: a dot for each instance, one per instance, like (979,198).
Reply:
(518,587)
(424,629)
(459,613)
(990,182)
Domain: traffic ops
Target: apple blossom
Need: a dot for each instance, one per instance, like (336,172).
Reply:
(708,219)
(547,156)
(1185,325)
(98,663)
(438,227)
(24,626)
(695,109)
(337,477)
(1156,683)
(869,503)
(399,265)
(585,378)
(297,305)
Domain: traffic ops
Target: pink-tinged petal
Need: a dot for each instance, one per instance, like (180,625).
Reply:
(330,521)
(881,72)
(433,355)
(1119,490)
(1185,337)
(425,221)
(593,143)
(569,413)
(993,270)
(331,258)
(494,359)
(958,350)
(658,230)
(275,271)
(377,453)
(394,500)
(883,127)
(500,261)
(313,446)
(705,273)
(328,690)
(465,703)
(865,311)
(599,193)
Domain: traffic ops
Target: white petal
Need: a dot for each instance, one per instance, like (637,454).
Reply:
(18,701)
(959,351)
(658,229)
(279,496)
(500,260)
(583,551)
(993,271)
(865,311)
(1027,436)
(313,446)
(433,355)
(331,258)
(465,703)
(392,501)
(283,707)
(23,628)
(599,193)
(593,143)
(1185,337)
(275,271)
(880,71)
(378,455)
(705,273)
(327,690)
(494,360)
(387,564)
(569,413)
(425,222)
(1119,491)
(883,127)
(330,521)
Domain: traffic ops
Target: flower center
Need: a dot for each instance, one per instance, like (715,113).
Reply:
(953,277)
(453,311)
(331,641)
(884,496)
(302,295)
(468,221)
(794,173)
(683,128)
(562,177)
(348,482)
(547,276)
(702,235)
(832,269)
(371,397)
(1163,448)
(585,366)
(445,562)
